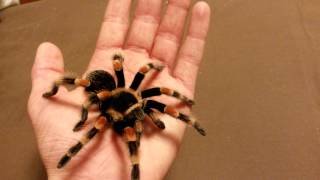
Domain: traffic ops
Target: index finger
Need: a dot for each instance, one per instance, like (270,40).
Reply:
(113,32)
(115,24)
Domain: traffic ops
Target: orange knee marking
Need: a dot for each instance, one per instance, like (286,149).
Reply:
(100,123)
(166,91)
(84,140)
(117,65)
(82,82)
(134,159)
(171,111)
(104,95)
(130,134)
(139,126)
(144,69)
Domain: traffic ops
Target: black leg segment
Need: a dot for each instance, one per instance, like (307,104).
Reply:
(67,79)
(154,119)
(131,138)
(100,123)
(157,91)
(174,113)
(93,98)
(118,68)
(142,71)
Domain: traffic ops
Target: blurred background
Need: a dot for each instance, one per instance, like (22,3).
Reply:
(8,3)
(257,94)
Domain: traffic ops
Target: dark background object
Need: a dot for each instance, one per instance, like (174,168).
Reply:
(257,94)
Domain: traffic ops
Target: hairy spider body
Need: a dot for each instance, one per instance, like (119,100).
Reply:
(123,108)
(100,80)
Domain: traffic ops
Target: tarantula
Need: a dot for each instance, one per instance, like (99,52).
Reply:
(123,108)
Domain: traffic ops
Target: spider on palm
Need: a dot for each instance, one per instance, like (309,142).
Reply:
(123,108)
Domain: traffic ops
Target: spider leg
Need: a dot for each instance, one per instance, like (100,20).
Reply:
(154,119)
(141,73)
(118,68)
(84,116)
(131,138)
(138,126)
(92,99)
(174,113)
(66,79)
(100,123)
(157,91)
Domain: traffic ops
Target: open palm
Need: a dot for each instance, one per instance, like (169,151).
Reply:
(150,39)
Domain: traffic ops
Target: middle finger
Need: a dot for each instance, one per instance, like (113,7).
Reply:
(169,34)
(144,25)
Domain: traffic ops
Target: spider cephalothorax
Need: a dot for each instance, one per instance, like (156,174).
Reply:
(123,108)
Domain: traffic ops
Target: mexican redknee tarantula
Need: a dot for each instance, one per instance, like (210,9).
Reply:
(123,108)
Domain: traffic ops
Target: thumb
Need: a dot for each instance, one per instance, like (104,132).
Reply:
(47,67)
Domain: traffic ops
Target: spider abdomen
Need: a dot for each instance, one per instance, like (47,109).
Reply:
(100,80)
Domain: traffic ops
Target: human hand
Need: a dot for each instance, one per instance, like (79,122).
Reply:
(149,40)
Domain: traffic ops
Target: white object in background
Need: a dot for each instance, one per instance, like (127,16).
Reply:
(7,3)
